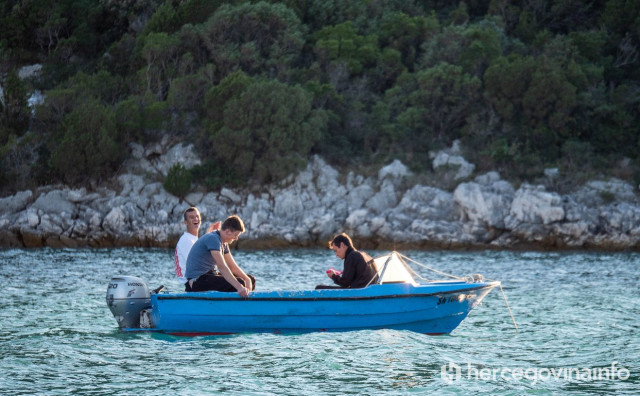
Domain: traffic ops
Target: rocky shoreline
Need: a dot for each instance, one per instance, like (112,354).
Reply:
(385,211)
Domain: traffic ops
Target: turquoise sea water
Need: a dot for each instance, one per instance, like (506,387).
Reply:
(578,313)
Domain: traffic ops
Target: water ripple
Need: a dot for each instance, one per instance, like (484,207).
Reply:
(574,310)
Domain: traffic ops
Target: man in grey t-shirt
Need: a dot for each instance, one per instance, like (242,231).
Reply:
(210,265)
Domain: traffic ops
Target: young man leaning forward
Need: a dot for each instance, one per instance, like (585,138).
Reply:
(210,265)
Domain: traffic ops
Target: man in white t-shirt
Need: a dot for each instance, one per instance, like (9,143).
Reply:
(193,221)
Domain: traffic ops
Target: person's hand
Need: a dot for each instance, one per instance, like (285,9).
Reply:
(214,226)
(243,292)
(331,272)
(248,284)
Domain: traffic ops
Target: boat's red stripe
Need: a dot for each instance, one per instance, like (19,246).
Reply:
(206,333)
(198,334)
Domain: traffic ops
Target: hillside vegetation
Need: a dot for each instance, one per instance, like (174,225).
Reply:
(260,86)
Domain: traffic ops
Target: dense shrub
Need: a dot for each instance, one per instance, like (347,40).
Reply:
(88,146)
(14,112)
(267,131)
(256,38)
(178,180)
(261,85)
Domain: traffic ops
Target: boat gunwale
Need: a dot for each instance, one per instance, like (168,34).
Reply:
(190,296)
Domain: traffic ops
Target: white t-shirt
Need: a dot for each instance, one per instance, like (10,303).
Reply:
(182,252)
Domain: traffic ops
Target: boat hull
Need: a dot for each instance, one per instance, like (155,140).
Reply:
(434,308)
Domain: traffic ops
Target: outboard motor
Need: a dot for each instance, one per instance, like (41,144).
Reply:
(127,296)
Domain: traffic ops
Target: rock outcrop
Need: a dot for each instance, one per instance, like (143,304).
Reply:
(382,211)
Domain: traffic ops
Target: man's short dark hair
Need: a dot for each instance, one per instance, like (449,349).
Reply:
(233,223)
(341,239)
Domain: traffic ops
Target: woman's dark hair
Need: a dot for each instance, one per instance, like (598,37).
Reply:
(341,239)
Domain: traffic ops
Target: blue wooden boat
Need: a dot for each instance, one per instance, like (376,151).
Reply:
(396,301)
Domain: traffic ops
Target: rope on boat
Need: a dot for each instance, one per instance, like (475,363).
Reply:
(473,278)
(508,307)
(427,267)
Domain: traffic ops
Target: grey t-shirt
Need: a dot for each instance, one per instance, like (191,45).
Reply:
(199,260)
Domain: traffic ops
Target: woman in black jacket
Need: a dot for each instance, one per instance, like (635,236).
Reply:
(359,268)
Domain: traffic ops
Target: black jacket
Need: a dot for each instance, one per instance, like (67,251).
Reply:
(358,272)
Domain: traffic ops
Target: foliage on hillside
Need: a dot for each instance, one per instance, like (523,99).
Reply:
(259,86)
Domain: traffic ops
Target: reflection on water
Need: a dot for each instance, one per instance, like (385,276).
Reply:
(574,310)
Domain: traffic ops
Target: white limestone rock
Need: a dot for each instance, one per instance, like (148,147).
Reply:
(15,203)
(385,199)
(230,195)
(324,227)
(452,159)
(183,154)
(621,217)
(356,218)
(29,71)
(357,196)
(56,201)
(598,192)
(194,198)
(131,184)
(425,202)
(326,177)
(32,218)
(532,204)
(51,224)
(575,234)
(115,221)
(395,171)
(436,231)
(486,201)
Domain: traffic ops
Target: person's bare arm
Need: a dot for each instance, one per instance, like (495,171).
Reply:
(237,271)
(227,273)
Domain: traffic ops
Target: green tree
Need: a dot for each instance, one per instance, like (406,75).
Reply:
(444,96)
(256,38)
(389,67)
(549,99)
(609,121)
(140,118)
(187,93)
(89,147)
(164,20)
(406,34)
(341,43)
(160,52)
(14,110)
(217,96)
(178,181)
(268,131)
(471,46)
(323,13)
(72,93)
(622,17)
(506,81)
(171,16)
(427,110)
(535,99)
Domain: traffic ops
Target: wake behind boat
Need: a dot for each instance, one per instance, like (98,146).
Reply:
(395,301)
